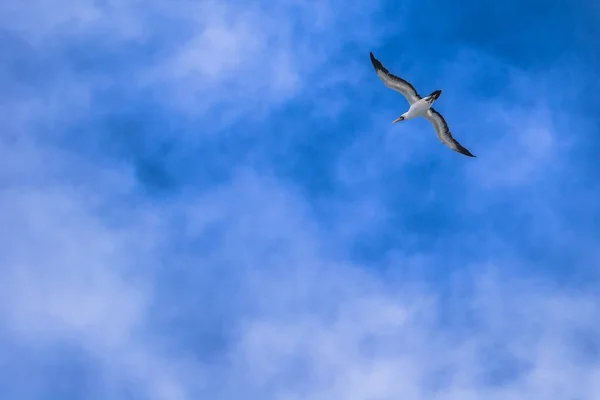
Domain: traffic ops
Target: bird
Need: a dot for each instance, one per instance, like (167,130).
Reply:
(419,106)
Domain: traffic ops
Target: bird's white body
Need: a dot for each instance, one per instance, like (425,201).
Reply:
(418,109)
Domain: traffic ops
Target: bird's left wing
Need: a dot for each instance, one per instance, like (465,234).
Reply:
(443,132)
(395,82)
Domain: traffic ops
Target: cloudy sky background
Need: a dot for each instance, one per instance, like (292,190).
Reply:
(205,199)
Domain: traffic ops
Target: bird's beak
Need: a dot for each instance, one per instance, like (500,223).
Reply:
(398,120)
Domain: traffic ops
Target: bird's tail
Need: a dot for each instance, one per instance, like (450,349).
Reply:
(436,94)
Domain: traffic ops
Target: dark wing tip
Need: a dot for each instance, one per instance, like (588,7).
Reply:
(376,63)
(464,151)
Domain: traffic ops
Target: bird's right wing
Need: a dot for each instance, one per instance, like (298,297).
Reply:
(443,132)
(395,82)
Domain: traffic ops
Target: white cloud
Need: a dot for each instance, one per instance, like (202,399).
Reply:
(312,325)
(254,57)
(526,147)
(71,276)
(42,22)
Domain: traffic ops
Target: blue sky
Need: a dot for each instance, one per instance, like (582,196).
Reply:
(206,199)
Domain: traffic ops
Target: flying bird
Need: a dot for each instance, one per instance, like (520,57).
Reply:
(419,106)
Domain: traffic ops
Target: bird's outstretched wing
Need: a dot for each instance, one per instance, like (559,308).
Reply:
(443,132)
(395,82)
